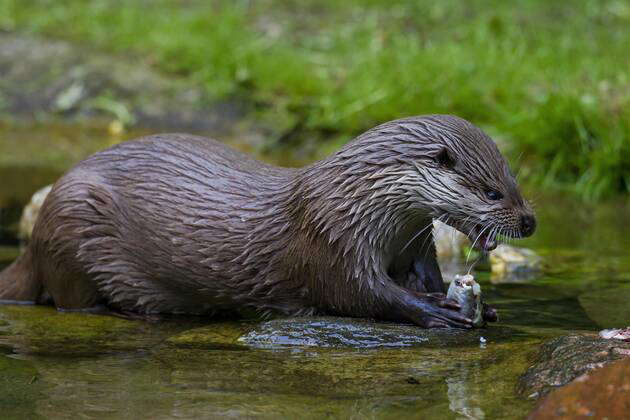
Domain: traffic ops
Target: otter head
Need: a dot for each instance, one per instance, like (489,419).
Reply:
(467,183)
(393,178)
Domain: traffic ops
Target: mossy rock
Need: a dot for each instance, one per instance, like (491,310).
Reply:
(44,330)
(563,359)
(221,335)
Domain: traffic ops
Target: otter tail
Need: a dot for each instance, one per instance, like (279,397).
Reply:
(17,282)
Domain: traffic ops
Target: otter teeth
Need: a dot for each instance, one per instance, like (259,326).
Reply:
(483,242)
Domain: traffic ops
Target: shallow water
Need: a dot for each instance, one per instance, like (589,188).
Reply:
(68,365)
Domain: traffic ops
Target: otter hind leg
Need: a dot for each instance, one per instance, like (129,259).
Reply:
(56,240)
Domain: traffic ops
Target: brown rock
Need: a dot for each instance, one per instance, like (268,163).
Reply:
(599,394)
(566,358)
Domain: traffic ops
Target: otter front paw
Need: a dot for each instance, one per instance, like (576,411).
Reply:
(435,310)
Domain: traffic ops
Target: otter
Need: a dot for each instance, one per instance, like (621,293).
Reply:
(180,224)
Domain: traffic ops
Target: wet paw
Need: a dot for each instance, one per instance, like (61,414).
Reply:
(435,310)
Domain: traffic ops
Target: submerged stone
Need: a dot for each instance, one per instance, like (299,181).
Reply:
(20,388)
(215,336)
(563,359)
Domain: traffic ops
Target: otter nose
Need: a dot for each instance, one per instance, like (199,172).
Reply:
(528,225)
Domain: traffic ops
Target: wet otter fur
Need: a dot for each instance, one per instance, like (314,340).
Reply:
(182,224)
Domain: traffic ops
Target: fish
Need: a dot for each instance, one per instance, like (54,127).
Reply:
(467,292)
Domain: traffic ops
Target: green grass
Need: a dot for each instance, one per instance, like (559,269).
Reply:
(548,79)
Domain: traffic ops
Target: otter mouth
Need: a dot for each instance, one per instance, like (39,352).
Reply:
(482,238)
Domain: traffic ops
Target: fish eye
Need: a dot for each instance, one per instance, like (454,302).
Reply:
(494,195)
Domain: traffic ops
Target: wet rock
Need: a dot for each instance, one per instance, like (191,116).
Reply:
(44,330)
(509,263)
(358,333)
(31,211)
(216,336)
(563,359)
(608,307)
(599,394)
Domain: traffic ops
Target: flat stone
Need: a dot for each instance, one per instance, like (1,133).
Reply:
(600,394)
(359,333)
(563,359)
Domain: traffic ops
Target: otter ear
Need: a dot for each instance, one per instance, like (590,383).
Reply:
(445,158)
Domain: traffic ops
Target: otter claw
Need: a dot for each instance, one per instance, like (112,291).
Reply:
(433,310)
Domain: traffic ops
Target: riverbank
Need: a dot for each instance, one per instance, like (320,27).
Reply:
(548,80)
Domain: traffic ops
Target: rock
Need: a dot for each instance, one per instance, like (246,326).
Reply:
(31,211)
(608,307)
(44,330)
(359,333)
(217,336)
(599,394)
(563,359)
(509,263)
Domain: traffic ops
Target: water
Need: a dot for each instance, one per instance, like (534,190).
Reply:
(68,365)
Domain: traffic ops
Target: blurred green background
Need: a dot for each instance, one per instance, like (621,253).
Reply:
(547,79)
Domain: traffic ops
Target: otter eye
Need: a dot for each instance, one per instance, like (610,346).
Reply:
(494,195)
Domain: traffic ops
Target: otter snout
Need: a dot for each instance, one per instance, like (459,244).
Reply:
(528,225)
